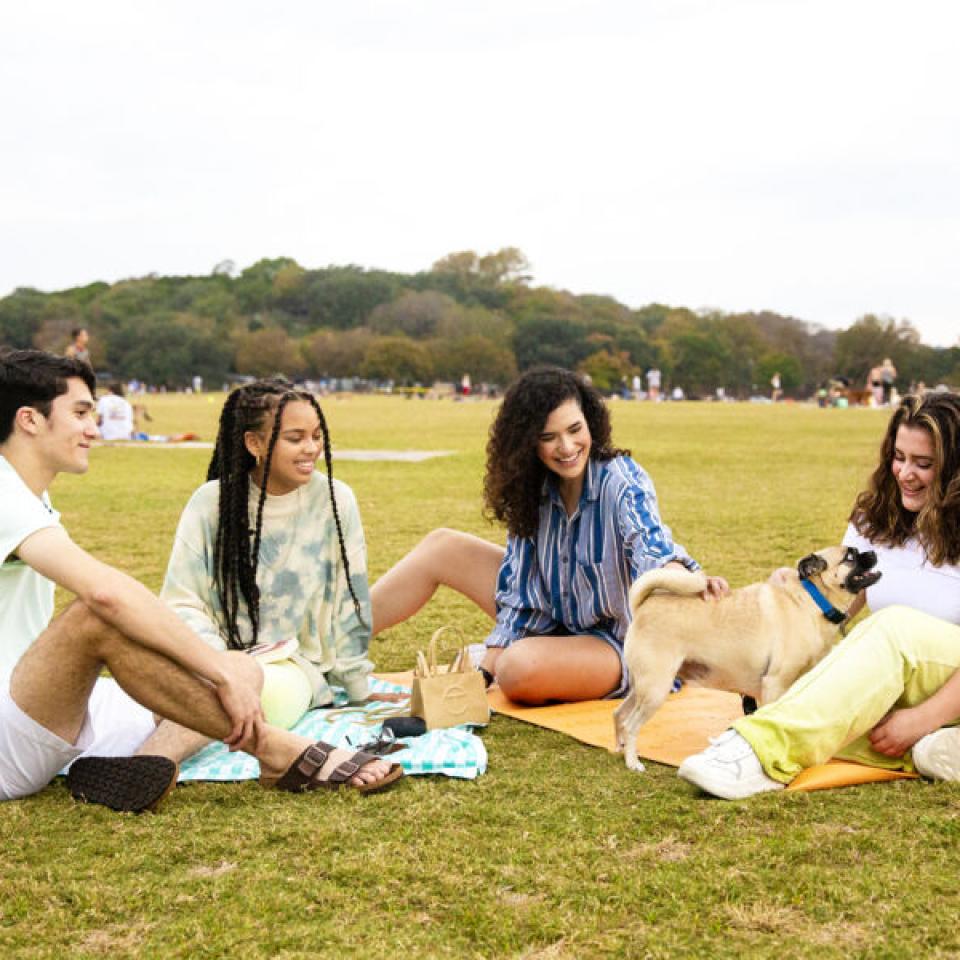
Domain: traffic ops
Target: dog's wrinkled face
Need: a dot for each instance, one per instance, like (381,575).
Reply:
(843,567)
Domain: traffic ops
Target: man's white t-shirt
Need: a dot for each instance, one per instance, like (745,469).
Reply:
(26,597)
(910,580)
(116,417)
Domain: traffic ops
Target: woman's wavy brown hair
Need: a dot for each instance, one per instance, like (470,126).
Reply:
(879,514)
(514,477)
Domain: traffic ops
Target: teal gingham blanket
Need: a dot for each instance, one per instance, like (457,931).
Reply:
(455,752)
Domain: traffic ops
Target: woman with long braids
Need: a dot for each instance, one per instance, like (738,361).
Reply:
(269,556)
(582,524)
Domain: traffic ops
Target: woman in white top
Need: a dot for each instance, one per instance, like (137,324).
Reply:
(886,693)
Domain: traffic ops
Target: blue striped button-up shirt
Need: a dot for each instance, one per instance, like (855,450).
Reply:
(575,576)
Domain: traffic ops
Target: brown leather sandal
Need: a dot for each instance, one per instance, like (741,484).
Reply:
(302,774)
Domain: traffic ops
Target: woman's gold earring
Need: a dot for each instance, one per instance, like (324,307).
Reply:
(259,460)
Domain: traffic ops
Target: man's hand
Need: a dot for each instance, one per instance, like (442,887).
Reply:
(899,730)
(240,700)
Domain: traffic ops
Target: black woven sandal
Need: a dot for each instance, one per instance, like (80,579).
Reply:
(125,784)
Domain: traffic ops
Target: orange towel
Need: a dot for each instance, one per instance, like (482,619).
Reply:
(681,727)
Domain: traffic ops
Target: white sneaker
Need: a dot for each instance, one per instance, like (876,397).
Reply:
(728,768)
(937,755)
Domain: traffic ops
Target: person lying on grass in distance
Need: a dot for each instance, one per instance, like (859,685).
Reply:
(269,556)
(54,705)
(582,524)
(884,692)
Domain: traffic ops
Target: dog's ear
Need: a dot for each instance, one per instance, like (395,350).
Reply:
(811,565)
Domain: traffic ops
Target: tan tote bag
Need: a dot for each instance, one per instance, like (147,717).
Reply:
(448,696)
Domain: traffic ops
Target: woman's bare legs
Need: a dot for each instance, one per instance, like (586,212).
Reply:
(444,557)
(532,670)
(537,670)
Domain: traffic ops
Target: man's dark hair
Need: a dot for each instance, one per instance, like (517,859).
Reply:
(32,378)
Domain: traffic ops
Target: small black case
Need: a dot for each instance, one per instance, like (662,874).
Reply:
(405,726)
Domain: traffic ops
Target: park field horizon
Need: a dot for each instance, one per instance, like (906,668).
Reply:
(557,851)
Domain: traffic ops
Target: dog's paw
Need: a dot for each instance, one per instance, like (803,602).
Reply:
(636,765)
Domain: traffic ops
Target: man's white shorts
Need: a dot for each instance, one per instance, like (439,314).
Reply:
(31,756)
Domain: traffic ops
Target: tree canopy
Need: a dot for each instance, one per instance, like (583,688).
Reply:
(469,313)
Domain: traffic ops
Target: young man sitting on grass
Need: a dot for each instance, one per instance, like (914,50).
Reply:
(54,704)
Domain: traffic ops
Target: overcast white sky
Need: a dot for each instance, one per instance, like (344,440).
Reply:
(795,155)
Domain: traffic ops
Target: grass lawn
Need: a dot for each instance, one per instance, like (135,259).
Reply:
(558,851)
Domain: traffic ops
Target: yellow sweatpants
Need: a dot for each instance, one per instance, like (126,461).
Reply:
(898,657)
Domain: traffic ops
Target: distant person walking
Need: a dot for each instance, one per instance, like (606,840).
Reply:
(78,346)
(875,386)
(775,383)
(888,376)
(653,384)
(115,415)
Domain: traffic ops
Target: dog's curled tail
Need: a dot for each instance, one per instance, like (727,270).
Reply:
(671,579)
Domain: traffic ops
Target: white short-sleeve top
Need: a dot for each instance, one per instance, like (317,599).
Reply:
(909,579)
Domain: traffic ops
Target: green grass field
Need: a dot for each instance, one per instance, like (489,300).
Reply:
(558,851)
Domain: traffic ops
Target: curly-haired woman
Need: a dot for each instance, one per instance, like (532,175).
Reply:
(883,694)
(582,524)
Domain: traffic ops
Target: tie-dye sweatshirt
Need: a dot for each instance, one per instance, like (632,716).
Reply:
(303,585)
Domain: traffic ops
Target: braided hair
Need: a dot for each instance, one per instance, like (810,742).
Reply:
(235,557)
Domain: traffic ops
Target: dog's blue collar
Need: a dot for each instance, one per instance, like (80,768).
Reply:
(826,607)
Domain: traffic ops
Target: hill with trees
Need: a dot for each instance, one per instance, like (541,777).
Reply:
(469,313)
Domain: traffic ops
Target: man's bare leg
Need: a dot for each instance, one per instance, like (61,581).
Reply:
(173,741)
(444,557)
(176,742)
(53,681)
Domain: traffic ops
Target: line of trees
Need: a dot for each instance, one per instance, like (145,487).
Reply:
(467,314)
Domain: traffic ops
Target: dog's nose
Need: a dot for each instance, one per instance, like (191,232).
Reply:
(868,559)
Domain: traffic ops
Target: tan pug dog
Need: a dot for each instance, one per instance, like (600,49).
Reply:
(754,641)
